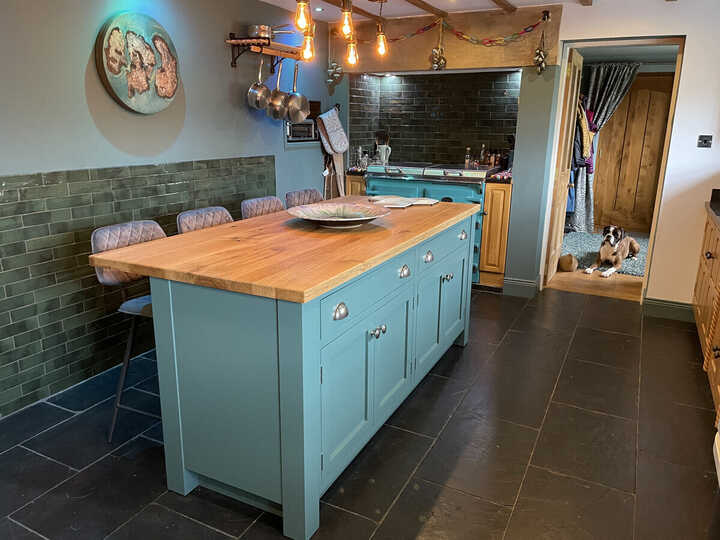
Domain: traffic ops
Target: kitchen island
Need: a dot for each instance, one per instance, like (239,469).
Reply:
(283,347)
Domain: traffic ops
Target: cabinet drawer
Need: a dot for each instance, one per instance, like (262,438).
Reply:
(359,295)
(430,252)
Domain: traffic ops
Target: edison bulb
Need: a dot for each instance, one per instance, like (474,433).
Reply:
(302,16)
(347,27)
(352,54)
(382,45)
(308,50)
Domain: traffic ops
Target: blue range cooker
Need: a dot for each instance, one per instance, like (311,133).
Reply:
(449,183)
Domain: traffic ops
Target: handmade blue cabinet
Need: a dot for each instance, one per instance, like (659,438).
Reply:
(452,284)
(427,317)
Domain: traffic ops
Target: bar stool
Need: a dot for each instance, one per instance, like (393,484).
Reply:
(113,237)
(303,196)
(202,218)
(261,206)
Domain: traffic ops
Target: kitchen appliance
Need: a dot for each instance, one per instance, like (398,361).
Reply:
(450,183)
(298,107)
(305,131)
(258,94)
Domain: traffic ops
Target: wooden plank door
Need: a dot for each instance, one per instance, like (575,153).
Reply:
(573,75)
(629,155)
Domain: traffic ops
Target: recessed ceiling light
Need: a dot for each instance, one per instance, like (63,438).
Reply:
(319,9)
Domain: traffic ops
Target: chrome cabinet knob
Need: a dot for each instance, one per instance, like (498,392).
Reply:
(383,328)
(375,332)
(448,277)
(340,312)
(463,235)
(404,271)
(429,257)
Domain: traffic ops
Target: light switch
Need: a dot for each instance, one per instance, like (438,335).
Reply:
(704,141)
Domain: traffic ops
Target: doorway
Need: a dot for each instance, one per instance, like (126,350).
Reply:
(622,183)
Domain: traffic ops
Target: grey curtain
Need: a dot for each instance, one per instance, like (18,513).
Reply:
(607,85)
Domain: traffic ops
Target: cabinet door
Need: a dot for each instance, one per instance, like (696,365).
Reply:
(403,188)
(391,357)
(451,298)
(469,193)
(346,398)
(427,317)
(495,228)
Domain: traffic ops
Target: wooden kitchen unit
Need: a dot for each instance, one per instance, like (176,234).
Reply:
(282,347)
(705,304)
(493,247)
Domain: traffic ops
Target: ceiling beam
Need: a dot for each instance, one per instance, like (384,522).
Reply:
(359,11)
(427,7)
(586,2)
(506,6)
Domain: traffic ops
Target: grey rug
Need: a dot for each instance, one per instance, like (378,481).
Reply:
(585,247)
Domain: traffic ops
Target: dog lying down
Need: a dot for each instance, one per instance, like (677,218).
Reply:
(614,249)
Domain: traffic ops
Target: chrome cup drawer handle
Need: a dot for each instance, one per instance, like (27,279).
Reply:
(404,271)
(340,312)
(448,277)
(429,257)
(375,332)
(463,235)
(383,328)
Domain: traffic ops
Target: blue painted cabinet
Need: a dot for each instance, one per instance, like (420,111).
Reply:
(427,317)
(452,285)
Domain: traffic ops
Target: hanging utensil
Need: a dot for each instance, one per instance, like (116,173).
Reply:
(276,107)
(259,94)
(298,106)
(266,31)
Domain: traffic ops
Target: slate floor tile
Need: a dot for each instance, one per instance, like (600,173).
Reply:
(160,523)
(142,401)
(543,349)
(373,479)
(29,422)
(464,363)
(335,524)
(218,511)
(512,390)
(673,501)
(427,511)
(588,445)
(429,406)
(488,330)
(548,297)
(25,475)
(150,385)
(661,343)
(612,315)
(551,310)
(485,457)
(676,433)
(83,439)
(558,507)
(669,323)
(155,433)
(13,531)
(495,306)
(101,387)
(607,348)
(599,388)
(96,501)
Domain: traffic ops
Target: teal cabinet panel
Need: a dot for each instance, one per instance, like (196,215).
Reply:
(391,357)
(393,187)
(346,398)
(453,192)
(453,280)
(434,250)
(427,327)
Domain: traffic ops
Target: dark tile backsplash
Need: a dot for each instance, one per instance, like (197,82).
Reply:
(58,325)
(434,117)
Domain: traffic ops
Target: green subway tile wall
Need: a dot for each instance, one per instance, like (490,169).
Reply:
(58,325)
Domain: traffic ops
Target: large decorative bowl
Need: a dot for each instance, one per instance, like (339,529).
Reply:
(338,215)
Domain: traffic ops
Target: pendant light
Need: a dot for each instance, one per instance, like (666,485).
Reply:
(346,26)
(302,15)
(308,48)
(382,44)
(352,54)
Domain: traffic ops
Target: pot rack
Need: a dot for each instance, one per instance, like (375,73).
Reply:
(277,51)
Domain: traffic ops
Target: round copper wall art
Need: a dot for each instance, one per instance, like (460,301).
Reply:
(137,62)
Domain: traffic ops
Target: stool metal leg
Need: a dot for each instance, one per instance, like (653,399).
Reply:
(121,380)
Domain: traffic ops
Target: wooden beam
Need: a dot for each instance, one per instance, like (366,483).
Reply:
(586,2)
(505,5)
(359,11)
(427,7)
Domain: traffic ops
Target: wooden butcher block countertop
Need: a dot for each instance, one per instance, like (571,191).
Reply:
(279,256)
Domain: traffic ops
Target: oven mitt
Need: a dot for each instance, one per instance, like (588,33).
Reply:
(334,131)
(324,136)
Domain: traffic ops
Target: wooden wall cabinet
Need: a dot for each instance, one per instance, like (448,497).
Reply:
(705,305)
(493,247)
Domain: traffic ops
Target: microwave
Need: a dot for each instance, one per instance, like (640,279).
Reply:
(301,131)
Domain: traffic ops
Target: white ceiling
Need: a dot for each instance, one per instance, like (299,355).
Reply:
(401,8)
